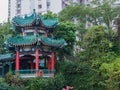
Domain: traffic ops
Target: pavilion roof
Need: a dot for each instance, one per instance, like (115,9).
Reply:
(31,40)
(24,20)
(4,57)
(29,20)
(52,42)
(20,40)
(48,22)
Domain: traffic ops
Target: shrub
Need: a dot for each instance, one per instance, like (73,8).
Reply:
(5,86)
(13,80)
(40,83)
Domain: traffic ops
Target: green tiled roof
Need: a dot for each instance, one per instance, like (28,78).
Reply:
(24,21)
(52,42)
(34,18)
(26,40)
(49,21)
(6,57)
(30,40)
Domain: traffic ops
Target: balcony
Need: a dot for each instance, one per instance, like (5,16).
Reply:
(33,73)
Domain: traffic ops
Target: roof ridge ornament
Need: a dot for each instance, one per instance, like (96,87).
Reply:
(34,12)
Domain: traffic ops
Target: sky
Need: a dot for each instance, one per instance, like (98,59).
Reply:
(3,10)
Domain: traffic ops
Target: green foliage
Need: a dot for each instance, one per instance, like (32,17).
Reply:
(116,47)
(66,30)
(98,50)
(98,68)
(78,74)
(103,13)
(40,83)
(5,33)
(96,42)
(13,80)
(111,74)
(92,75)
(76,14)
(50,15)
(5,86)
(76,11)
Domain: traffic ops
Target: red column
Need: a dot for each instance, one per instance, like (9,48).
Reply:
(49,64)
(32,65)
(46,34)
(23,33)
(52,54)
(17,61)
(37,61)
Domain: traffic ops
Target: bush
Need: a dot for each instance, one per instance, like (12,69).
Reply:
(14,81)
(72,72)
(40,83)
(5,86)
(79,75)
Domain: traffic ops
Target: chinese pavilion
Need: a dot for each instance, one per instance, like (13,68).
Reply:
(33,46)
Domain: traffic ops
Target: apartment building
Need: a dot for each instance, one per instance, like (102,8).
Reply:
(22,7)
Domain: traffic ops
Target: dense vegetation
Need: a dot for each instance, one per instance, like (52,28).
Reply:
(16,83)
(98,62)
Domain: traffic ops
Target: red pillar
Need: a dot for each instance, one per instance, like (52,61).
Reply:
(23,33)
(49,64)
(17,61)
(32,65)
(37,61)
(46,34)
(53,61)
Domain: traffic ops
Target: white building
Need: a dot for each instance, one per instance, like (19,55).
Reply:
(22,7)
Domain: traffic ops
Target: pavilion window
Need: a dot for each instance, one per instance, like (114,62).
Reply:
(29,33)
(41,32)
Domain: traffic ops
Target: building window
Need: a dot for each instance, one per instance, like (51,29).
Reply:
(48,5)
(9,1)
(40,6)
(19,6)
(18,11)
(18,0)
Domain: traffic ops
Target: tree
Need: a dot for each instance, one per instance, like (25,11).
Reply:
(76,14)
(50,15)
(103,13)
(110,74)
(95,42)
(66,30)
(98,13)
(5,33)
